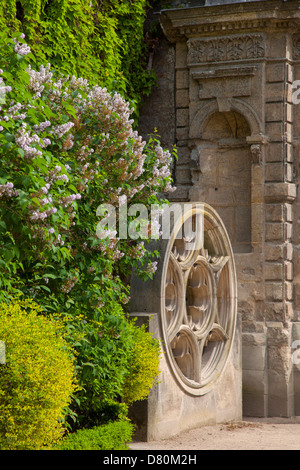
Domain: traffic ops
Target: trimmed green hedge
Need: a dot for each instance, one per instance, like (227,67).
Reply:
(112,436)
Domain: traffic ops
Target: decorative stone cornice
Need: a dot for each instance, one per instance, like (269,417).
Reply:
(184,23)
(223,72)
(227,27)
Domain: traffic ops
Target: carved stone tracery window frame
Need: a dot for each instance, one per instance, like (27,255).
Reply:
(198,301)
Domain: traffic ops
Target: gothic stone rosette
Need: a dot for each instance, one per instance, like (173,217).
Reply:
(198,298)
(194,293)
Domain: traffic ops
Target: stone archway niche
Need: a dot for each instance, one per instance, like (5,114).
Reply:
(224,161)
(191,305)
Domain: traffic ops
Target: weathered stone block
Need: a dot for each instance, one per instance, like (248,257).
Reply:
(279,338)
(182,133)
(241,195)
(257,193)
(182,143)
(274,232)
(289,112)
(296,302)
(296,365)
(289,308)
(257,217)
(297,389)
(274,291)
(181,194)
(289,94)
(182,98)
(243,224)
(181,54)
(289,73)
(280,390)
(274,213)
(275,91)
(183,176)
(273,271)
(274,252)
(228,217)
(257,176)
(289,172)
(254,393)
(274,311)
(254,351)
(239,86)
(288,212)
(289,153)
(288,251)
(275,129)
(274,152)
(280,395)
(288,227)
(274,111)
(289,132)
(184,155)
(275,172)
(182,79)
(182,117)
(280,192)
(275,72)
(289,271)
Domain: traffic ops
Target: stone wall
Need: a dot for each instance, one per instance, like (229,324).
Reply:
(229,93)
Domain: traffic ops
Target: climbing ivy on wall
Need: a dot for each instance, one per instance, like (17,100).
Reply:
(101,40)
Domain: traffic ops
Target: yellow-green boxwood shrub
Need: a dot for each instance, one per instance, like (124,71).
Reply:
(143,368)
(36,380)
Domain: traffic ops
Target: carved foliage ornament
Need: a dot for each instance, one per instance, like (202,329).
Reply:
(248,46)
(256,153)
(198,299)
(296,46)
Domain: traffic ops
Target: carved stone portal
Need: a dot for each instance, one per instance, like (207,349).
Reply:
(240,61)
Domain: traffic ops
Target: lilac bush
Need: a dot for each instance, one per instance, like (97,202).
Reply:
(66,147)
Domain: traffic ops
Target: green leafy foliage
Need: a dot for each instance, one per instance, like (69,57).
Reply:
(143,369)
(110,436)
(37,379)
(68,147)
(102,41)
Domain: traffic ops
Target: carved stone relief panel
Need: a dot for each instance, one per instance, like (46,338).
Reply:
(296,46)
(231,48)
(198,310)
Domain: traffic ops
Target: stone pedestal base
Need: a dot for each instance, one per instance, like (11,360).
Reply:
(169,411)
